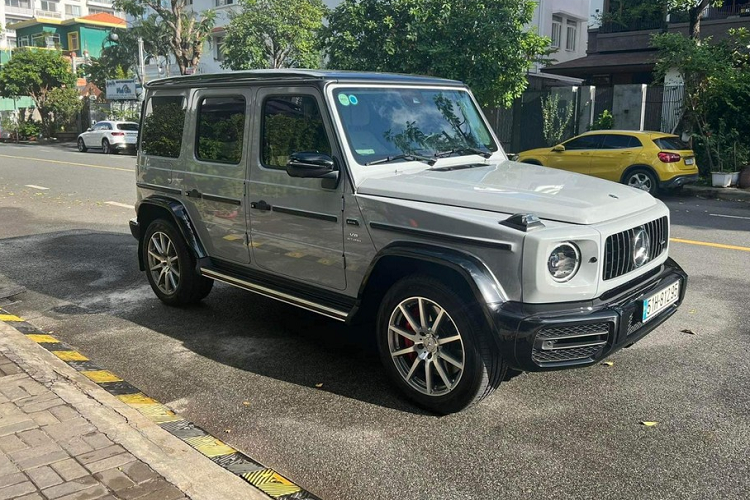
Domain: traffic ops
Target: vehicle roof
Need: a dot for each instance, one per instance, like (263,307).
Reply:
(647,133)
(296,75)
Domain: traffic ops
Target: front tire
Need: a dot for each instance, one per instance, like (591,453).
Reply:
(82,145)
(435,347)
(106,148)
(170,266)
(642,179)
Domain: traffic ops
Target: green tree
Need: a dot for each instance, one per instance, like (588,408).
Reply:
(187,31)
(35,73)
(64,103)
(274,34)
(485,44)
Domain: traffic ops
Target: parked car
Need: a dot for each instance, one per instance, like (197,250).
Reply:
(646,160)
(110,137)
(387,200)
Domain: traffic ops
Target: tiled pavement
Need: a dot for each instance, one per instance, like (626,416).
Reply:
(50,451)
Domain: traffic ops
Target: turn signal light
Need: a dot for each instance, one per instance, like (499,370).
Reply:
(669,157)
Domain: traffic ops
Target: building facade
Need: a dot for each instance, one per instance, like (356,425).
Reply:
(17,11)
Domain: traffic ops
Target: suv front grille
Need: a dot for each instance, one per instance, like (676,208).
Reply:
(574,343)
(618,249)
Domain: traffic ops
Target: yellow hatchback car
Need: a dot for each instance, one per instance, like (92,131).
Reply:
(646,160)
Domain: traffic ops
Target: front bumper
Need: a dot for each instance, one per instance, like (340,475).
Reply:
(541,337)
(135,228)
(678,181)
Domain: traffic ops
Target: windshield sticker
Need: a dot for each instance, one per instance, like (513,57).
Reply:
(353,100)
(344,99)
(365,152)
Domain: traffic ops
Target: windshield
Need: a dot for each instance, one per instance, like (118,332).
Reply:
(127,126)
(383,123)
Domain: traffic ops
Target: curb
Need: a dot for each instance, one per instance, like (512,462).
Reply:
(174,456)
(727,194)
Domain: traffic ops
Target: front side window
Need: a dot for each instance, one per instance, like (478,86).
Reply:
(291,124)
(163,122)
(585,142)
(385,122)
(221,126)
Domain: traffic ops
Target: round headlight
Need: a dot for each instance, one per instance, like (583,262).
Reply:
(564,261)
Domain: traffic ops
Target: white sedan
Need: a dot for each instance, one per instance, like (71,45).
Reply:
(110,136)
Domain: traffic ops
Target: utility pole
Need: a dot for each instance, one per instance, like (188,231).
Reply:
(141,61)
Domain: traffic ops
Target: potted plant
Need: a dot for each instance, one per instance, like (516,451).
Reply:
(729,154)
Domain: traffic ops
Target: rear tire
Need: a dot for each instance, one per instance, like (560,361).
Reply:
(82,145)
(440,354)
(642,179)
(170,266)
(106,149)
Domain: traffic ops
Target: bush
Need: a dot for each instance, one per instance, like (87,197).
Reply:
(29,129)
(604,121)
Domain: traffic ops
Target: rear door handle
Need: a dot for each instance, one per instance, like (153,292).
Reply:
(193,193)
(260,205)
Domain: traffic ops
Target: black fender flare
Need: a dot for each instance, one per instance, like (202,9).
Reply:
(484,285)
(180,217)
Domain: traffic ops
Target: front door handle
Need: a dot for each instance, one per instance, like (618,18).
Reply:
(260,205)
(193,193)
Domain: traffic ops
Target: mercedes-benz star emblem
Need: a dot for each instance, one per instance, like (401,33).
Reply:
(641,246)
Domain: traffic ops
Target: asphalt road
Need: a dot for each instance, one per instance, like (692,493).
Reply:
(571,434)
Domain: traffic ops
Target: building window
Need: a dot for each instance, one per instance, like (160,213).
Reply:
(220,3)
(73,10)
(45,40)
(99,11)
(23,41)
(48,5)
(556,31)
(73,41)
(219,46)
(21,4)
(571,35)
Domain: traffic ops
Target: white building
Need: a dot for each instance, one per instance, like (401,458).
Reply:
(14,11)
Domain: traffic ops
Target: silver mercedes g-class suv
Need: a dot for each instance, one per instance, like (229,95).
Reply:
(387,199)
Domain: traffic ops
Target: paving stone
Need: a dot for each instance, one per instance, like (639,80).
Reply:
(17,490)
(109,463)
(11,443)
(69,487)
(44,477)
(44,417)
(45,404)
(168,492)
(17,427)
(7,467)
(69,469)
(11,479)
(33,496)
(74,427)
(26,453)
(96,455)
(96,492)
(63,413)
(35,437)
(114,479)
(97,440)
(75,446)
(144,490)
(47,459)
(10,369)
(138,472)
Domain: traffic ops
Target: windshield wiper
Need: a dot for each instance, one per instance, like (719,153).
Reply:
(462,150)
(409,157)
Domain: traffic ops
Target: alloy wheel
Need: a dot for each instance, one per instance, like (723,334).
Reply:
(640,180)
(163,263)
(81,146)
(426,346)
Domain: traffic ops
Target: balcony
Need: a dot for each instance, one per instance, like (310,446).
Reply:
(47,14)
(104,3)
(19,11)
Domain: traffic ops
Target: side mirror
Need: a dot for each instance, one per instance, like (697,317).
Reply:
(312,165)
(559,148)
(89,129)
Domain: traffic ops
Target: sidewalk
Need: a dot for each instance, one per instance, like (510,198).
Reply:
(728,194)
(63,437)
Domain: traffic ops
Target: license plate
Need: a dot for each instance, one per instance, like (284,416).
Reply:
(131,140)
(689,161)
(659,301)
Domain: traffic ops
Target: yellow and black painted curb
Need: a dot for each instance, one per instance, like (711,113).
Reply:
(263,478)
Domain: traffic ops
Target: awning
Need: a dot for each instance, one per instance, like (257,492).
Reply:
(614,62)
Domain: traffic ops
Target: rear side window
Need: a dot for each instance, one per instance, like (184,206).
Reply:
(291,124)
(671,143)
(585,142)
(612,141)
(221,127)
(162,126)
(127,126)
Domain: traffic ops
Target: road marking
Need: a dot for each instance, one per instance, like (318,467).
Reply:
(88,165)
(707,244)
(121,205)
(729,216)
(41,188)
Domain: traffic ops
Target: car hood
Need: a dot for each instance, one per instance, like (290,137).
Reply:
(510,187)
